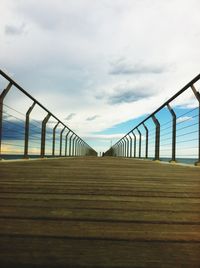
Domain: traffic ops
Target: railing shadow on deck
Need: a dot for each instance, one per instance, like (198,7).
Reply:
(172,132)
(21,136)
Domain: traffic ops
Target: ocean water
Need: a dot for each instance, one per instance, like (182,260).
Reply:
(189,161)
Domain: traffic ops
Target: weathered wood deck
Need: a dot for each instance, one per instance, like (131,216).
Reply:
(99,212)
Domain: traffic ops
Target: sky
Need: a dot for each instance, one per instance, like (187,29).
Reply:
(100,65)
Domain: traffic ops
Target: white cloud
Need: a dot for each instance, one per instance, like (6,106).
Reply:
(123,67)
(70,116)
(184,119)
(105,137)
(15,30)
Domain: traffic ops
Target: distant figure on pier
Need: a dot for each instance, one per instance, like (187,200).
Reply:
(103,154)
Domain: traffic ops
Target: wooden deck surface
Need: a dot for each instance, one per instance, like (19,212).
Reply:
(99,212)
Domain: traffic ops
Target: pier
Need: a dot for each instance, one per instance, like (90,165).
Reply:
(62,206)
(99,212)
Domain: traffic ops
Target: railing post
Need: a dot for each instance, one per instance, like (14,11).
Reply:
(124,148)
(80,142)
(70,144)
(140,142)
(61,134)
(147,140)
(134,144)
(86,150)
(121,148)
(157,138)
(66,137)
(2,97)
(79,150)
(131,145)
(118,148)
(43,135)
(76,146)
(73,145)
(26,135)
(197,95)
(173,133)
(54,139)
(115,151)
(127,147)
(82,149)
(79,147)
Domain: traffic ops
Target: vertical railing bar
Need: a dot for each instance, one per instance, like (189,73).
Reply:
(127,147)
(61,139)
(197,95)
(147,140)
(173,133)
(70,145)
(157,138)
(120,146)
(79,146)
(73,145)
(76,147)
(43,135)
(117,154)
(2,97)
(140,142)
(134,144)
(131,145)
(26,135)
(66,141)
(124,148)
(54,139)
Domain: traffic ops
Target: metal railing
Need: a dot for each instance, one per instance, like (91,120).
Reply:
(23,136)
(171,132)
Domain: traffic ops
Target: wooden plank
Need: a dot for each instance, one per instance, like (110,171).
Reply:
(99,212)
(105,214)
(58,252)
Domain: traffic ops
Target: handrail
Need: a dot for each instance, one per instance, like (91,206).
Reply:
(50,114)
(157,125)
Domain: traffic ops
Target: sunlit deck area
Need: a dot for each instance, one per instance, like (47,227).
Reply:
(99,212)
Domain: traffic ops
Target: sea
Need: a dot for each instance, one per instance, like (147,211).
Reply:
(189,161)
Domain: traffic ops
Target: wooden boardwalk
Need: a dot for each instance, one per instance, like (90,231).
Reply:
(99,212)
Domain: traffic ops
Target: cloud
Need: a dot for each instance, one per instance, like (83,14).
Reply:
(127,92)
(122,67)
(15,30)
(92,118)
(184,119)
(70,116)
(127,96)
(104,136)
